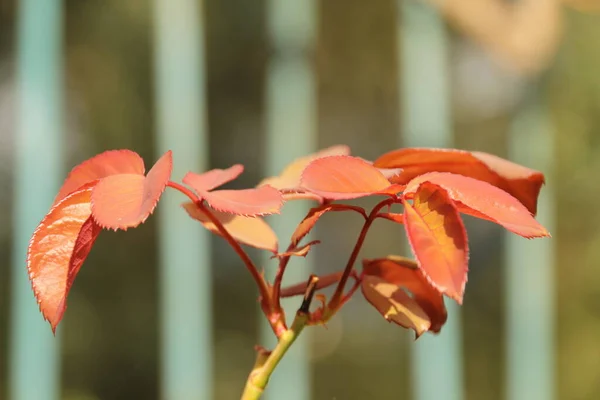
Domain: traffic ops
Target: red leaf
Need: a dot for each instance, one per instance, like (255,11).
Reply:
(110,162)
(126,200)
(521,182)
(250,202)
(438,240)
(345,177)
(212,179)
(394,304)
(313,216)
(405,273)
(290,176)
(58,248)
(252,231)
(483,200)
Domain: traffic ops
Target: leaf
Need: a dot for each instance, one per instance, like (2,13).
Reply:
(290,176)
(483,200)
(212,179)
(252,231)
(300,288)
(345,177)
(313,216)
(110,162)
(126,200)
(438,240)
(521,182)
(394,304)
(406,273)
(250,202)
(58,248)
(301,251)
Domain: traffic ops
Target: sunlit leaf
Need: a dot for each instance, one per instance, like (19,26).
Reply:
(290,176)
(313,216)
(126,200)
(521,182)
(252,231)
(345,177)
(406,273)
(212,179)
(58,248)
(483,200)
(110,162)
(395,304)
(250,202)
(438,239)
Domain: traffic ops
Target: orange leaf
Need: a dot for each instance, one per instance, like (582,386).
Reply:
(58,248)
(394,304)
(110,162)
(345,177)
(438,240)
(483,200)
(250,202)
(290,176)
(252,231)
(521,182)
(313,216)
(126,200)
(213,178)
(405,273)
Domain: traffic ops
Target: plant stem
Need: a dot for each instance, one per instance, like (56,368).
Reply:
(265,365)
(263,288)
(336,299)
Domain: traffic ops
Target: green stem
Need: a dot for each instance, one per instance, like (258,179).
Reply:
(266,362)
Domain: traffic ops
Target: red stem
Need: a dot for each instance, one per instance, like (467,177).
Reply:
(263,288)
(336,299)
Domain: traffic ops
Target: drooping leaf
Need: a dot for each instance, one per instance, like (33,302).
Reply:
(212,179)
(313,216)
(290,176)
(395,304)
(252,231)
(126,200)
(438,239)
(58,248)
(345,177)
(406,273)
(263,200)
(300,288)
(301,251)
(483,200)
(522,183)
(110,162)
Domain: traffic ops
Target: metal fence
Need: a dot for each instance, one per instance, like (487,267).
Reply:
(291,112)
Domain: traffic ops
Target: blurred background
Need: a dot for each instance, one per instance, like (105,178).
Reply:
(166,311)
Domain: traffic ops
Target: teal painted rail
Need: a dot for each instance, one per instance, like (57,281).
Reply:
(290,133)
(426,122)
(185,263)
(530,267)
(38,174)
